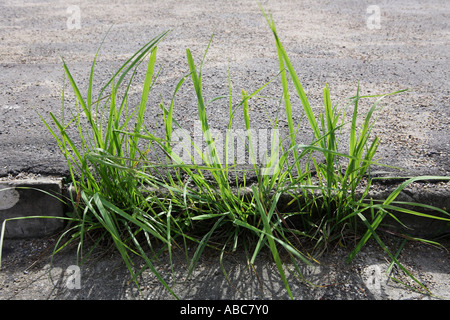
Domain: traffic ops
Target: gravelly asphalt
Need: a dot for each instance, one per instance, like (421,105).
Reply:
(27,274)
(328,42)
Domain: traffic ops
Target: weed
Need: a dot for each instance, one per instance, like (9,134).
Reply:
(127,192)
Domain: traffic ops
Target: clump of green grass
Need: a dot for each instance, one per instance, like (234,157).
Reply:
(126,192)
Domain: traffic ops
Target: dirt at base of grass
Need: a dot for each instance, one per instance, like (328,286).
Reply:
(27,273)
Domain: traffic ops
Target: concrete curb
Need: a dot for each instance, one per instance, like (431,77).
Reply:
(40,197)
(28,198)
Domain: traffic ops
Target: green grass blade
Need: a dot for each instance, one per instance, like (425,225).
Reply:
(268,230)
(383,246)
(150,264)
(299,88)
(144,98)
(129,218)
(201,246)
(383,213)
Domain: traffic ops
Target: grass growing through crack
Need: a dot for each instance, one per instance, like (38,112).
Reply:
(130,194)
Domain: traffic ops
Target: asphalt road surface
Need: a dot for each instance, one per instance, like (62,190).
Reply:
(386,46)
